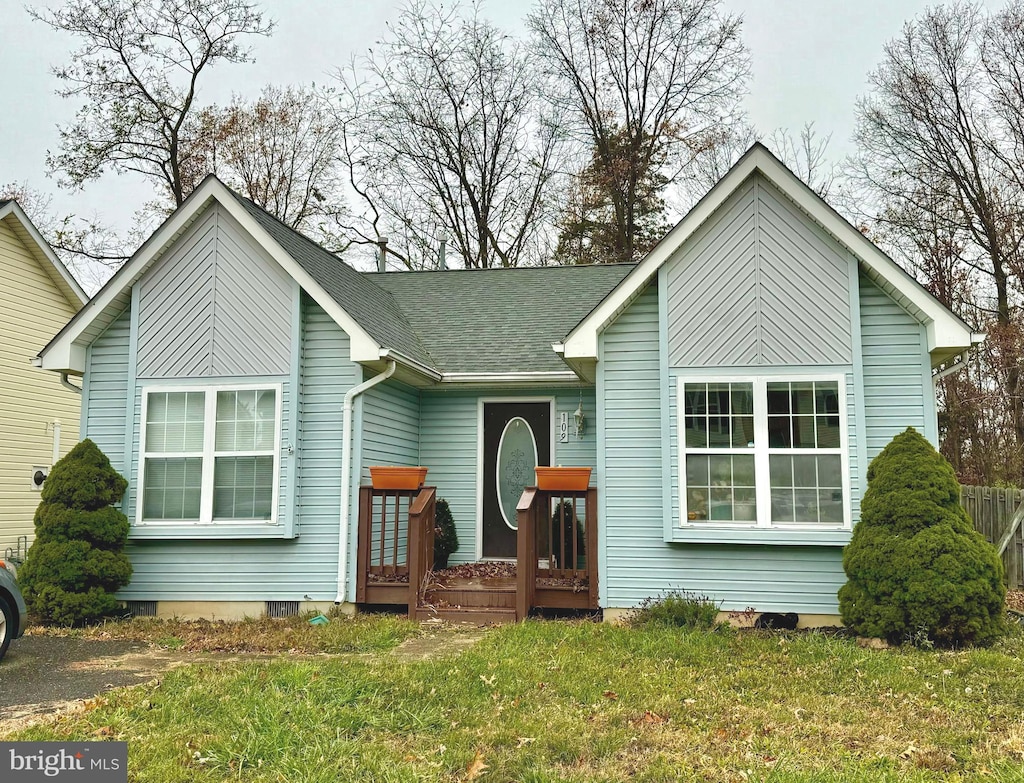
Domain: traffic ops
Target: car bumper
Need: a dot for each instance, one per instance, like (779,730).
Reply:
(22,615)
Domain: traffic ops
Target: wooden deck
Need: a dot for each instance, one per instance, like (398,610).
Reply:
(556,566)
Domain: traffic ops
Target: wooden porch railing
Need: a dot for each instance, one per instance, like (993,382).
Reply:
(556,550)
(395,549)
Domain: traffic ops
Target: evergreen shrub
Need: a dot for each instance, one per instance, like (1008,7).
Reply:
(77,560)
(916,567)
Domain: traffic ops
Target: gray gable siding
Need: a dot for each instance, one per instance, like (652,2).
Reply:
(897,379)
(759,284)
(216,305)
(637,562)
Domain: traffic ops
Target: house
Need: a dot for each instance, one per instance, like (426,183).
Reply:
(733,386)
(38,415)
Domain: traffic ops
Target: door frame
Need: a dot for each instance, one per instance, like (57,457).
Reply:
(481,401)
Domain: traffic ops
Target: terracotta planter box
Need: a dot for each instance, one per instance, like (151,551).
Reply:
(564,479)
(393,477)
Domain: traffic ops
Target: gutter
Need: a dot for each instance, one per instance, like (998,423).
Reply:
(976,339)
(395,356)
(346,470)
(68,384)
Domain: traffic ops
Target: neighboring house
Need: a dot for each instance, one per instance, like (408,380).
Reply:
(736,383)
(38,415)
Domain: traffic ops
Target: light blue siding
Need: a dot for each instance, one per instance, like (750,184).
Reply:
(758,284)
(449,448)
(240,570)
(896,382)
(216,305)
(639,563)
(103,413)
(390,434)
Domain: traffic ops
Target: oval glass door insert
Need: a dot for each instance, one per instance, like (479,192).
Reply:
(517,458)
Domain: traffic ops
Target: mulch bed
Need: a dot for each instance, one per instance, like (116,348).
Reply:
(1015,601)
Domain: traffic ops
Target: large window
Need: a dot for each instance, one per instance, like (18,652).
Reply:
(209,455)
(762,452)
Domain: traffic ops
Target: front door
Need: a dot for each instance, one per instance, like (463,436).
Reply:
(517,438)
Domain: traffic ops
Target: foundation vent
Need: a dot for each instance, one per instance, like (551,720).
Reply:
(141,608)
(282,608)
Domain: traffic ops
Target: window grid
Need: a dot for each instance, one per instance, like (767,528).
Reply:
(235,484)
(800,478)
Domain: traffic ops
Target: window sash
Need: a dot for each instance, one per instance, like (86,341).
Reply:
(761,452)
(210,453)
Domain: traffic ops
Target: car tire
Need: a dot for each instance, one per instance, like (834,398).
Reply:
(8,621)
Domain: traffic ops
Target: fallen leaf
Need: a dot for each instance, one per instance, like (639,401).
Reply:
(489,681)
(525,741)
(103,731)
(611,695)
(476,767)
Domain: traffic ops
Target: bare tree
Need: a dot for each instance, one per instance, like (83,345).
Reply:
(444,138)
(137,72)
(649,81)
(280,150)
(939,158)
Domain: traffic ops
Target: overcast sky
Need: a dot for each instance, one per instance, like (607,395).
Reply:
(810,62)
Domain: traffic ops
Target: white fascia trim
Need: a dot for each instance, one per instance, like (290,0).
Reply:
(63,354)
(70,285)
(547,376)
(945,330)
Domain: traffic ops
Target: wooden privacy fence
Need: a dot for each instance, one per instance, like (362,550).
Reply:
(997,515)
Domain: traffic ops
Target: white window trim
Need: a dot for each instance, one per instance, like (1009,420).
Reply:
(209,454)
(761,451)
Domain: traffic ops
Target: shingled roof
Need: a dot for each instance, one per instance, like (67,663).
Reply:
(372,307)
(460,320)
(498,320)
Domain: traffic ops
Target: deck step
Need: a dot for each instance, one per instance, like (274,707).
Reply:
(468,615)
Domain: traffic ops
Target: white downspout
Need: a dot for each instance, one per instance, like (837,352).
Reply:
(346,471)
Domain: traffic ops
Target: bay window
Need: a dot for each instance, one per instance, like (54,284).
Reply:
(209,454)
(763,452)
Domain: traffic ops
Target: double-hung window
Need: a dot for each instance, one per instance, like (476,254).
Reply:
(763,452)
(209,454)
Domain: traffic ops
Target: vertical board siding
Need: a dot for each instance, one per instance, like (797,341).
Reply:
(287,570)
(758,284)
(216,305)
(449,448)
(894,387)
(32,311)
(640,564)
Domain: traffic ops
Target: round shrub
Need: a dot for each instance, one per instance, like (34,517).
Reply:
(916,567)
(77,560)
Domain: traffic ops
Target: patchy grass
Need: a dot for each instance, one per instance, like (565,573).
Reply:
(559,701)
(344,634)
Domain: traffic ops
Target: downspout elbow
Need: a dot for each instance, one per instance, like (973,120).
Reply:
(68,384)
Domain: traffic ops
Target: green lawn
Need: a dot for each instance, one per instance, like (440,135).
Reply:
(574,701)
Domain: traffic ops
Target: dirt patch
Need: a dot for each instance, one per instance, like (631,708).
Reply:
(438,642)
(1015,601)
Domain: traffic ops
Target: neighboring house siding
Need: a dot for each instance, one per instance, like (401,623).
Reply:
(897,384)
(759,284)
(216,305)
(245,570)
(32,311)
(449,448)
(638,563)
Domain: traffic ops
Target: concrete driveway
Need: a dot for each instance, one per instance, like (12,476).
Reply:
(41,675)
